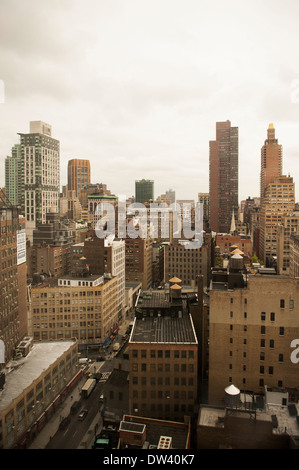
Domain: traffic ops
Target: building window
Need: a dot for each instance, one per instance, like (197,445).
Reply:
(271,370)
(281,303)
(281,331)
(263,330)
(263,316)
(280,358)
(272,316)
(291,303)
(271,343)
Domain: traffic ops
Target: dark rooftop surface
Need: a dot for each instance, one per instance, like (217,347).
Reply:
(164,329)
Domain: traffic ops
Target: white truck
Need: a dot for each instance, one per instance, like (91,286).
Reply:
(88,387)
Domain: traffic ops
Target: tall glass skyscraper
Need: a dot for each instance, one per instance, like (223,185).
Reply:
(144,191)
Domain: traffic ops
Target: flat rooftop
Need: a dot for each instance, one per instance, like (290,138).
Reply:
(163,329)
(21,373)
(179,432)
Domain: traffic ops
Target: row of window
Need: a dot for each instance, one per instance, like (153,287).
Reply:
(160,381)
(282,303)
(160,367)
(160,354)
(161,394)
(261,382)
(160,407)
(262,342)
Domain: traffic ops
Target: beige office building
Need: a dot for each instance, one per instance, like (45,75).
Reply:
(278,201)
(83,307)
(289,225)
(251,330)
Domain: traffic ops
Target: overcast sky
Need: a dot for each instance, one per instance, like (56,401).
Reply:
(136,86)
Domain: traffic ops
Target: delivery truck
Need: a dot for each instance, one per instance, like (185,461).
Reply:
(88,387)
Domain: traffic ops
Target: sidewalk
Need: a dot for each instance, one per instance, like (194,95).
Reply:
(51,427)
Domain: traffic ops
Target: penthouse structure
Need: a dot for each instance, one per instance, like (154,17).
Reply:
(163,351)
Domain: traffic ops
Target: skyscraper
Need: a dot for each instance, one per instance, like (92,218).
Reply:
(78,175)
(223,176)
(14,178)
(271,160)
(40,156)
(277,195)
(144,191)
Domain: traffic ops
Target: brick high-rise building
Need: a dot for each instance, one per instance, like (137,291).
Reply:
(13,309)
(163,351)
(271,160)
(252,325)
(78,173)
(278,200)
(277,196)
(223,186)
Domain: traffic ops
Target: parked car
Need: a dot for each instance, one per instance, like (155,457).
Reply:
(82,415)
(101,399)
(75,407)
(64,423)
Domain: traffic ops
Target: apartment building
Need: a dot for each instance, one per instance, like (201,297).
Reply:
(225,244)
(252,324)
(139,258)
(78,175)
(186,263)
(13,308)
(102,255)
(40,154)
(163,351)
(289,225)
(294,255)
(278,200)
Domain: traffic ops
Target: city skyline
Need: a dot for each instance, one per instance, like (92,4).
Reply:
(137,88)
